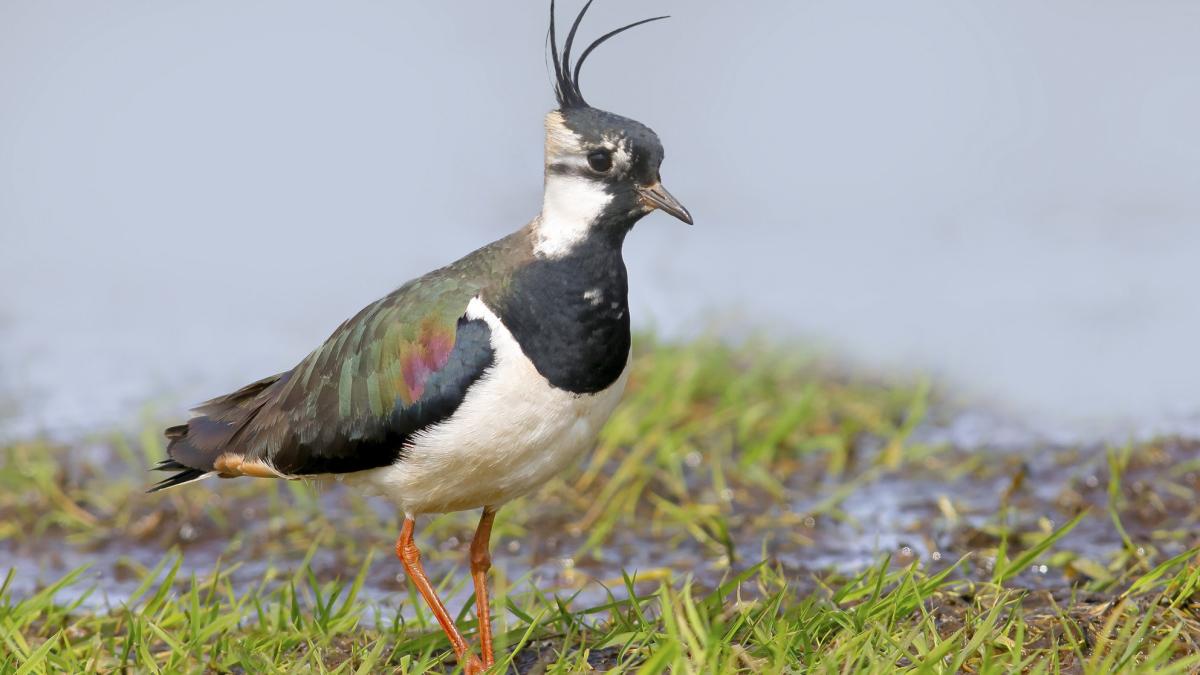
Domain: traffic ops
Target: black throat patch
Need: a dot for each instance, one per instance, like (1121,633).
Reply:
(570,315)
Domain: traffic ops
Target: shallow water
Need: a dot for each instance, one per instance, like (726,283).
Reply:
(932,513)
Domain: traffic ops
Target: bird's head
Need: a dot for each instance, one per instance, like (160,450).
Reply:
(602,169)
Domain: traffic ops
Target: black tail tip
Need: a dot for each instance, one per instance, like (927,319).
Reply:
(186,474)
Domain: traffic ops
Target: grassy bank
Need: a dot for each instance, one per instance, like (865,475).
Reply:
(747,510)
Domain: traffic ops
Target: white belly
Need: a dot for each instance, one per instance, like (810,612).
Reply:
(512,433)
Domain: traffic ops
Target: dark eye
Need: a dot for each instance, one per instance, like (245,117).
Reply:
(600,160)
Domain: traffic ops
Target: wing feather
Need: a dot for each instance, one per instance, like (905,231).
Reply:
(402,364)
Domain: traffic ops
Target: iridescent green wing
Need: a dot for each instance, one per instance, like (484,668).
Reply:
(399,366)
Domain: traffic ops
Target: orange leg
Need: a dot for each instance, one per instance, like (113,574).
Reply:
(481,562)
(407,551)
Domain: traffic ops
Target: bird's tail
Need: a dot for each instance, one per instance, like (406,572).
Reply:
(185,474)
(194,448)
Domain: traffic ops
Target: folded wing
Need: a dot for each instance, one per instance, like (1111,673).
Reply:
(400,365)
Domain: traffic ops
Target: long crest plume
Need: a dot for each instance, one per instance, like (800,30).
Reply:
(566,77)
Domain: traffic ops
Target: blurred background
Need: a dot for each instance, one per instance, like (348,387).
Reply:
(192,195)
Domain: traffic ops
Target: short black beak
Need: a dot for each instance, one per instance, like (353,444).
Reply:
(656,197)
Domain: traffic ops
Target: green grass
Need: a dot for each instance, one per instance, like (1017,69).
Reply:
(747,461)
(883,620)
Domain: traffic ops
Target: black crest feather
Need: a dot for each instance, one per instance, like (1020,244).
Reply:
(566,77)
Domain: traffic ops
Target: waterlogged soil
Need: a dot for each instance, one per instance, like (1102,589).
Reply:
(958,502)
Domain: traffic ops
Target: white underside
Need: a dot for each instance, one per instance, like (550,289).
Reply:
(511,434)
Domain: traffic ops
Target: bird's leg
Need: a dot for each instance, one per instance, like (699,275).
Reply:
(481,562)
(406,551)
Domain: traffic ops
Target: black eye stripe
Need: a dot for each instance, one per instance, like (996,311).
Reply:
(564,169)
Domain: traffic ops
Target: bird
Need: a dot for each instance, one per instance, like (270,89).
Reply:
(477,382)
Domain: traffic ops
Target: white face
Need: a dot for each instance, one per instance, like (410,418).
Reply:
(575,193)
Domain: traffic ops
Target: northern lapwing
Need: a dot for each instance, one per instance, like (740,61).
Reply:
(473,384)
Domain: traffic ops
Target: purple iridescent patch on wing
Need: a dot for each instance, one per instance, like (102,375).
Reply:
(425,356)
